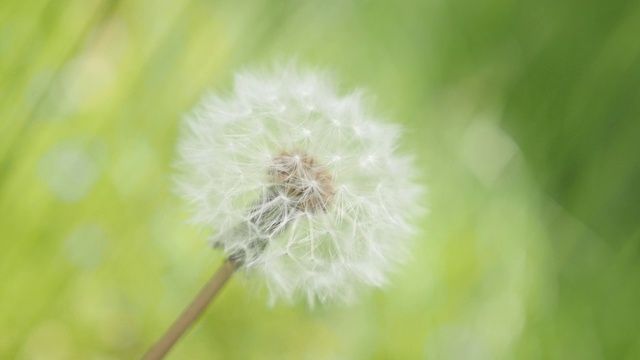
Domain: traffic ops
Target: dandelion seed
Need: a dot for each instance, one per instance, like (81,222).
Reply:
(301,185)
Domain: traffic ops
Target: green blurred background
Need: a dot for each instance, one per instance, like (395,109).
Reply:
(524,115)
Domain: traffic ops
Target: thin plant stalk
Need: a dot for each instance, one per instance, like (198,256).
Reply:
(193,311)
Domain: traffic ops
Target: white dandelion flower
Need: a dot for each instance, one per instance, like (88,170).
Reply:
(301,184)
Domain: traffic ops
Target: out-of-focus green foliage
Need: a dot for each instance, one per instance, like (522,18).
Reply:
(525,117)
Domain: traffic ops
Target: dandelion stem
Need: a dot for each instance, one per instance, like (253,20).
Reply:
(193,311)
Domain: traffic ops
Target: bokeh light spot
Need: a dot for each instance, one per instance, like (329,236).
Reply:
(486,150)
(69,171)
(86,245)
(49,341)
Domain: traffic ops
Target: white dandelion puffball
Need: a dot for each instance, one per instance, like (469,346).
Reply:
(301,184)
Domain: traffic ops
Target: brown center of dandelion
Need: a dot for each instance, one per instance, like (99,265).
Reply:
(305,182)
(298,183)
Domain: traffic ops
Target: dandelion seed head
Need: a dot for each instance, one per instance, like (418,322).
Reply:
(299,183)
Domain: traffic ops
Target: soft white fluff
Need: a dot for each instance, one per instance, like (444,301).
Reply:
(228,151)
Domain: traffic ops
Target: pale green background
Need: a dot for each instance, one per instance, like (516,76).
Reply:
(524,117)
